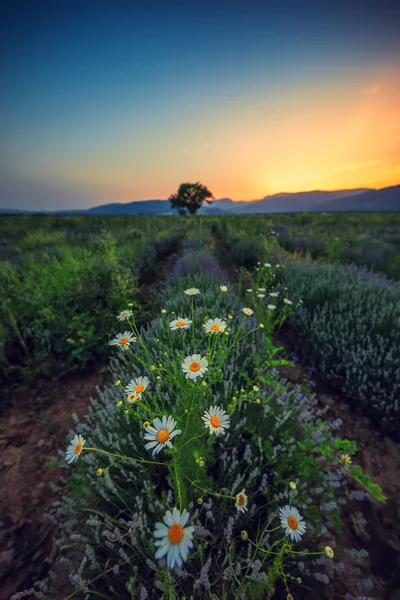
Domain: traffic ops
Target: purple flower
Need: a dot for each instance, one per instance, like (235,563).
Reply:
(317,435)
(303,399)
(295,358)
(312,383)
(311,368)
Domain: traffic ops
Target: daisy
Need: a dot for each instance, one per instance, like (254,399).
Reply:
(261,289)
(241,501)
(194,366)
(173,538)
(292,522)
(180,323)
(214,326)
(137,386)
(216,419)
(123,340)
(260,295)
(161,434)
(329,552)
(223,288)
(125,314)
(247,311)
(271,306)
(288,302)
(274,294)
(74,449)
(267,265)
(192,291)
(249,290)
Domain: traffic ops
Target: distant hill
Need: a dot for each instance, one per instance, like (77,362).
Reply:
(361,199)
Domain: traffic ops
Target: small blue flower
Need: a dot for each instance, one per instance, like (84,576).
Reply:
(295,358)
(303,399)
(311,368)
(312,383)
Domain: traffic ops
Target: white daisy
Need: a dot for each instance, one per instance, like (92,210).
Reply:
(286,301)
(136,387)
(241,501)
(74,449)
(214,326)
(249,290)
(292,522)
(267,265)
(274,294)
(271,306)
(260,295)
(216,419)
(161,434)
(173,538)
(125,314)
(247,311)
(223,288)
(194,366)
(123,340)
(261,289)
(180,323)
(192,291)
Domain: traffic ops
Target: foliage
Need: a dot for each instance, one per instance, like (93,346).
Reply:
(190,197)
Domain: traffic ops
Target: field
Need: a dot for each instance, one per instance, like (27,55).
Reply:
(273,344)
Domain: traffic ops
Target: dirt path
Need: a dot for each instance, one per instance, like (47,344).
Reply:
(33,431)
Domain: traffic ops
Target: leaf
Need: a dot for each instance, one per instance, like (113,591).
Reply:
(356,471)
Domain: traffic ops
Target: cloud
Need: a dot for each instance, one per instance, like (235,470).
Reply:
(359,166)
(200,150)
(370,91)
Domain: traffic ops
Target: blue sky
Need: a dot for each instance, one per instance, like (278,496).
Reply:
(118,100)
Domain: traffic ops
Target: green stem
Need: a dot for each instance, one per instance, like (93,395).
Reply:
(140,460)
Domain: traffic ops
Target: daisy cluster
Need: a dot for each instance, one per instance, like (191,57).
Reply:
(179,445)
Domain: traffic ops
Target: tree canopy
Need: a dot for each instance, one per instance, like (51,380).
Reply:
(190,197)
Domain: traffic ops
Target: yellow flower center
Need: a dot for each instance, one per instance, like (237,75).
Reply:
(192,293)
(215,421)
(124,314)
(78,448)
(214,327)
(195,366)
(292,522)
(180,323)
(123,341)
(163,436)
(139,388)
(175,533)
(240,499)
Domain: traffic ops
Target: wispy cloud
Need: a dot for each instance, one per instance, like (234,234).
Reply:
(202,149)
(359,166)
(371,90)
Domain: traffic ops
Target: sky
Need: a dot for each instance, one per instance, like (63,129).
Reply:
(121,100)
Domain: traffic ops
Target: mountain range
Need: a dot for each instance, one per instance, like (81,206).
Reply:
(361,199)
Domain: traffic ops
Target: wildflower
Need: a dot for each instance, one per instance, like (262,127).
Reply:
(292,522)
(241,501)
(152,368)
(267,265)
(214,326)
(260,295)
(345,459)
(261,289)
(244,535)
(146,424)
(247,311)
(249,291)
(295,358)
(131,398)
(194,366)
(201,463)
(173,538)
(329,552)
(216,419)
(312,383)
(258,401)
(255,388)
(180,323)
(99,472)
(123,340)
(119,403)
(271,306)
(137,386)
(192,292)
(223,288)
(163,311)
(261,325)
(125,314)
(204,383)
(130,303)
(161,434)
(293,486)
(286,301)
(74,449)
(199,500)
(230,317)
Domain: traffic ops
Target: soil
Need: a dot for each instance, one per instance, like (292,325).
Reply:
(30,434)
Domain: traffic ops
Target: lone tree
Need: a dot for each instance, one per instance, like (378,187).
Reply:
(190,197)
